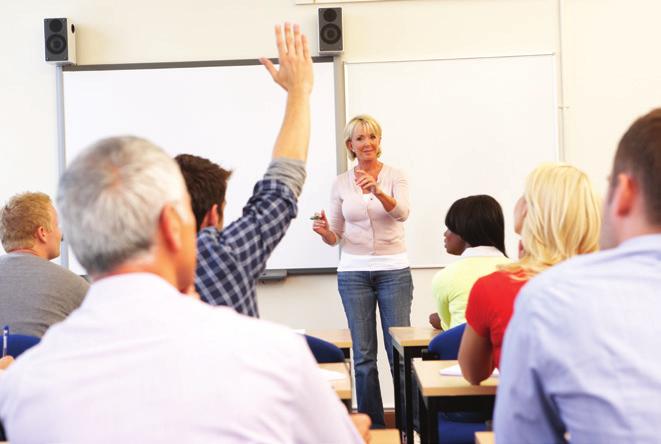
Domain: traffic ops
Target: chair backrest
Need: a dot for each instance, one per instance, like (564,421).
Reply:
(446,344)
(17,344)
(324,352)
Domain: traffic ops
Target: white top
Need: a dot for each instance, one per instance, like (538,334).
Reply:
(139,362)
(368,262)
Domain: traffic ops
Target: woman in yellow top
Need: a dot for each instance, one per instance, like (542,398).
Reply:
(476,232)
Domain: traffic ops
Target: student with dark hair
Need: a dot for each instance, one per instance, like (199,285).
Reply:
(231,258)
(208,201)
(476,232)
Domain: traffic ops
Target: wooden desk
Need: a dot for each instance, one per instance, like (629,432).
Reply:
(447,393)
(484,438)
(407,343)
(340,337)
(384,436)
(341,386)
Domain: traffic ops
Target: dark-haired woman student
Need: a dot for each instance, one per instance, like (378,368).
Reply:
(476,232)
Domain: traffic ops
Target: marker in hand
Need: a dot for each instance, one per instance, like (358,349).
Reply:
(320,224)
(5,336)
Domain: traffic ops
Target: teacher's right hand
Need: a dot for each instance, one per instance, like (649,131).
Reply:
(320,226)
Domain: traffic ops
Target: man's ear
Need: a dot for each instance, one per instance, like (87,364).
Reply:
(169,224)
(41,234)
(211,218)
(624,195)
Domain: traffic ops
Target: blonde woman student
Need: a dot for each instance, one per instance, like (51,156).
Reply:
(369,204)
(558,217)
(476,232)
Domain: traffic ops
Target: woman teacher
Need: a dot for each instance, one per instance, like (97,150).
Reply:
(369,204)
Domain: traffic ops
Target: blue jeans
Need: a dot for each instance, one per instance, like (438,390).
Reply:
(361,291)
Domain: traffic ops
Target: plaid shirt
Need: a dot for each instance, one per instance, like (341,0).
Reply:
(229,261)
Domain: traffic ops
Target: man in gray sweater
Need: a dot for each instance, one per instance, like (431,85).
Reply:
(34,292)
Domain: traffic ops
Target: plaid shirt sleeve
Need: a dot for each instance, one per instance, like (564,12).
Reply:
(229,261)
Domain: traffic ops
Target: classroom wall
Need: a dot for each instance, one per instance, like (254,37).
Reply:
(610,75)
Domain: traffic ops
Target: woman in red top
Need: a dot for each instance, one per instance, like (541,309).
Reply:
(558,216)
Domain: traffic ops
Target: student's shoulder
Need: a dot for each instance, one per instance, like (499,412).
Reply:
(563,289)
(571,271)
(61,274)
(450,273)
(250,332)
(498,278)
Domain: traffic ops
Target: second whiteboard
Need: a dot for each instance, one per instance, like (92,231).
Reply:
(458,127)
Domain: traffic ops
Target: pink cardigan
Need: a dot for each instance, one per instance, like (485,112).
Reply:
(364,227)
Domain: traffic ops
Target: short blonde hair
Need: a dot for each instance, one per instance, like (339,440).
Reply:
(563,218)
(20,218)
(364,121)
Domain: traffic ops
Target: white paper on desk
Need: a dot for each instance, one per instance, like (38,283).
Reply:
(455,370)
(300,331)
(330,375)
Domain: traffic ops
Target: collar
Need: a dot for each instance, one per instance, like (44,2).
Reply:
(482,251)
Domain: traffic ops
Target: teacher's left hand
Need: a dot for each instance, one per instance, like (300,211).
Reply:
(366,182)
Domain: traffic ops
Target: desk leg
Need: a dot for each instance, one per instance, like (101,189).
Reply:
(429,408)
(422,410)
(408,397)
(397,383)
(432,419)
(347,353)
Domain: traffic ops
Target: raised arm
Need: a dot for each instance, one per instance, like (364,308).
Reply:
(295,75)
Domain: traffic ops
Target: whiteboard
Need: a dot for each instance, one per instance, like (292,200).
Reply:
(230,114)
(458,127)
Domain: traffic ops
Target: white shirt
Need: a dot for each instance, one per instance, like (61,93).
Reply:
(372,262)
(139,362)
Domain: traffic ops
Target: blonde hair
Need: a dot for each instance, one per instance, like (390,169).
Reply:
(20,218)
(563,219)
(365,121)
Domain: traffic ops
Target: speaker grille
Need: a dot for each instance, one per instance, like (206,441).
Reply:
(330,15)
(55,25)
(56,44)
(331,33)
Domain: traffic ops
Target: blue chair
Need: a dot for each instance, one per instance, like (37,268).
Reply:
(456,427)
(453,432)
(324,352)
(446,345)
(17,344)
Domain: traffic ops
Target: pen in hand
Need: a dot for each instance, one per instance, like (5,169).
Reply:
(5,335)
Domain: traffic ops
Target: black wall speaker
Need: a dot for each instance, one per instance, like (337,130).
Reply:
(330,31)
(60,41)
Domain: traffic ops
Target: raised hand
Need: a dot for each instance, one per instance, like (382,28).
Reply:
(295,73)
